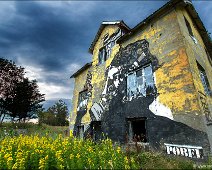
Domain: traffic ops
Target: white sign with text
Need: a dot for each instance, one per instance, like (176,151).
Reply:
(184,150)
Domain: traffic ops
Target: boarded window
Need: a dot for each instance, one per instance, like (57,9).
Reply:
(204,79)
(140,82)
(82,100)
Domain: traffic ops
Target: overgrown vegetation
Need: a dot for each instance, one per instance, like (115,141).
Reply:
(15,129)
(49,147)
(55,115)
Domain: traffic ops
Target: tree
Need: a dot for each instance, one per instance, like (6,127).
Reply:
(19,96)
(56,115)
(9,75)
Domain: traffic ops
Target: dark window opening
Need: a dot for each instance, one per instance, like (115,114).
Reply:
(140,82)
(80,131)
(96,130)
(204,79)
(189,27)
(137,130)
(102,55)
(82,100)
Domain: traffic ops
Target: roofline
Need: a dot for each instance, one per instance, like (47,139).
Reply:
(103,24)
(87,65)
(167,7)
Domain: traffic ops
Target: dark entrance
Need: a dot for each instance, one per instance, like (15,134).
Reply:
(96,130)
(137,130)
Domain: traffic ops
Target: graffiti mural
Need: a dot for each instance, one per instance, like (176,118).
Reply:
(129,108)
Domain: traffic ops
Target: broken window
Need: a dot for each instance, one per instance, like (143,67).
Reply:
(82,100)
(108,43)
(137,130)
(80,131)
(140,82)
(204,79)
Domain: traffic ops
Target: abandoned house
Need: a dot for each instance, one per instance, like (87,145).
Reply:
(150,84)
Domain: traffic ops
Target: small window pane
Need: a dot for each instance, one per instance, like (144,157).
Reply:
(140,82)
(131,85)
(82,101)
(204,79)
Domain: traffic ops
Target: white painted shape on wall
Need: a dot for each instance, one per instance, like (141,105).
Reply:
(116,83)
(160,110)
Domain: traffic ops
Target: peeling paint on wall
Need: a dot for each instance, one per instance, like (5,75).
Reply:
(150,79)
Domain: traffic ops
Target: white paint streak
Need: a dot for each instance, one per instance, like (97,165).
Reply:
(136,64)
(159,109)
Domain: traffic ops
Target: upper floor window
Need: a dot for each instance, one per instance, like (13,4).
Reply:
(204,79)
(102,55)
(108,44)
(140,82)
(82,100)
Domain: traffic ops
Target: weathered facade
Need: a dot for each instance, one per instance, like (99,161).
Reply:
(150,84)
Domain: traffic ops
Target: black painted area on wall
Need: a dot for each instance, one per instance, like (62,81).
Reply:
(119,108)
(159,129)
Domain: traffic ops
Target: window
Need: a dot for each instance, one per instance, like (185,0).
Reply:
(108,43)
(204,79)
(82,100)
(140,82)
(80,131)
(102,55)
(137,130)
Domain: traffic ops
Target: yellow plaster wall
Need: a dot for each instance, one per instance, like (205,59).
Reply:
(173,79)
(80,81)
(196,52)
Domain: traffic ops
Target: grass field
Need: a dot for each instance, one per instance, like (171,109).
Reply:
(47,147)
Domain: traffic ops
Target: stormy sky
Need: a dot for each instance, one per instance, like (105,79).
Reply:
(51,38)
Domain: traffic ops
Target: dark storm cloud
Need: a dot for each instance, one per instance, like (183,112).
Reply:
(54,36)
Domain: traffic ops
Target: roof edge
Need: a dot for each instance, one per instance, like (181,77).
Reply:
(87,65)
(120,23)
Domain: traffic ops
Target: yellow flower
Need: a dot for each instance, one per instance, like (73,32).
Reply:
(118,149)
(78,156)
(90,149)
(71,156)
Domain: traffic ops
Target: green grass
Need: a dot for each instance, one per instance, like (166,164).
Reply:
(14,129)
